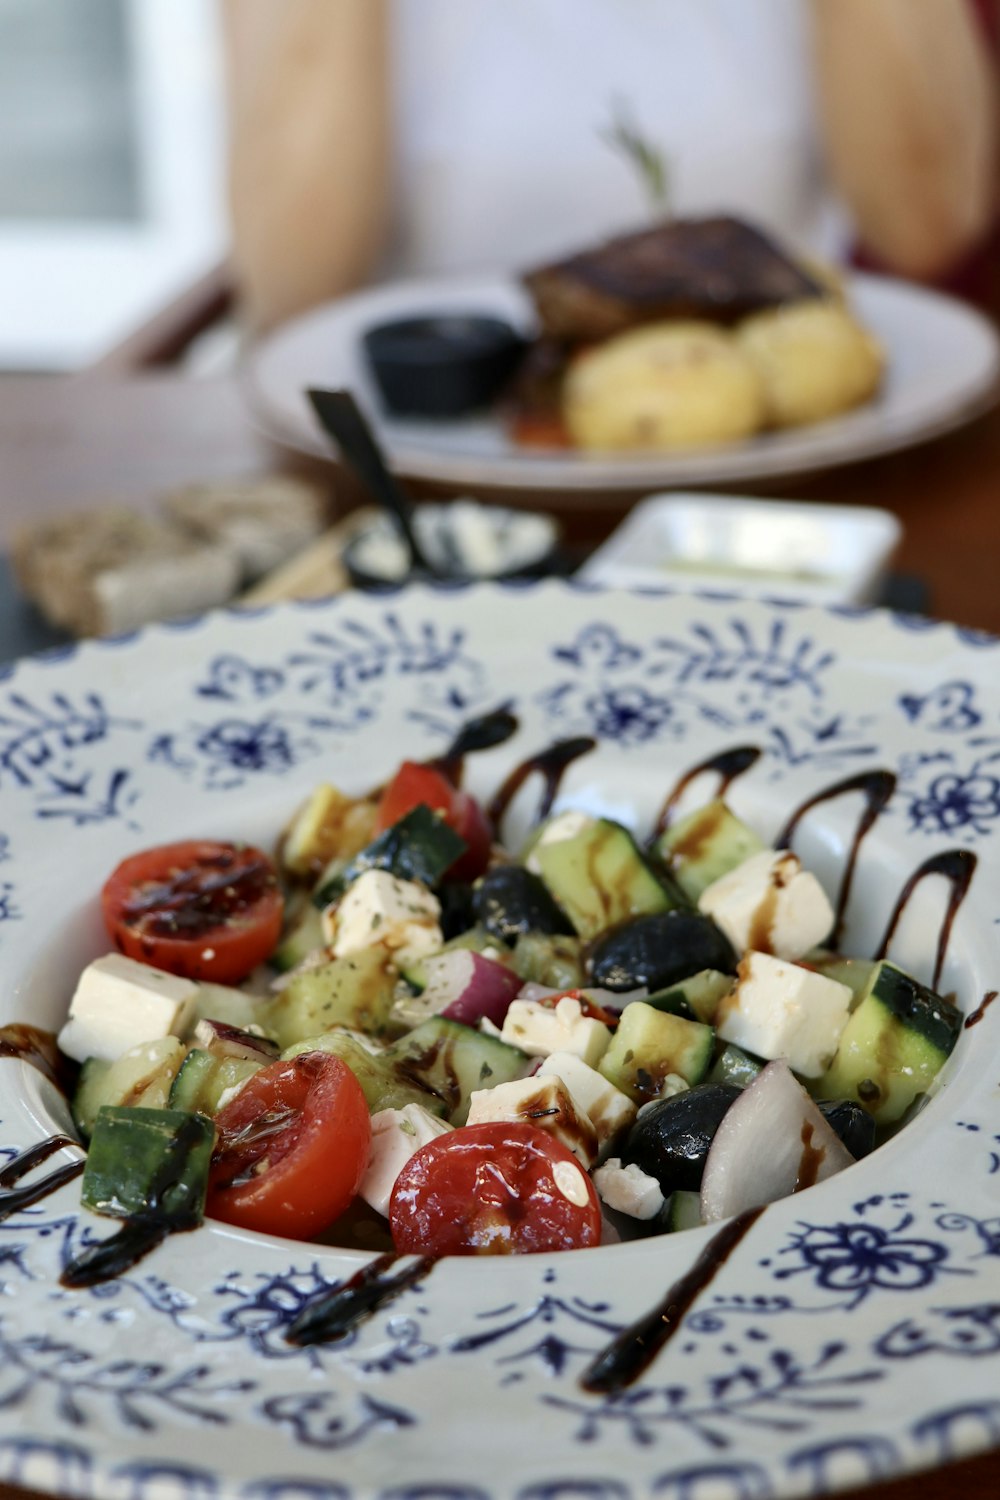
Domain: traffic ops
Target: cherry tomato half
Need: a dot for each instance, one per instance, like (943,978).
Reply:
(292,1148)
(414,784)
(200,909)
(588,1007)
(496,1189)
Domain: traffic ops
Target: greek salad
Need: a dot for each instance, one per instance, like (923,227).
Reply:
(396,1034)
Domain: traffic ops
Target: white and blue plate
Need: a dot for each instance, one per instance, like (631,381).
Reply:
(854,1334)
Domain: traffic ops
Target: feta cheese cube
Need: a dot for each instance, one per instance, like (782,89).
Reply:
(608,1108)
(397,1134)
(770,904)
(628,1189)
(545,1102)
(380,909)
(565,825)
(541,1029)
(120,1003)
(779,1009)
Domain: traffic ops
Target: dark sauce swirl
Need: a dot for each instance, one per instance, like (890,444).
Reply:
(877,788)
(333,1314)
(13,1198)
(727,766)
(491,729)
(143,1231)
(957,866)
(633,1350)
(974,1018)
(551,764)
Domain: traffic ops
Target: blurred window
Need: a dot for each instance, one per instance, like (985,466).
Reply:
(76,157)
(111,169)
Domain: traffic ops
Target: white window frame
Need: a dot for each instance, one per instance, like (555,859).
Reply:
(70,290)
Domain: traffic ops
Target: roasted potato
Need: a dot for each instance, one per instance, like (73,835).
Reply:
(814,360)
(666,385)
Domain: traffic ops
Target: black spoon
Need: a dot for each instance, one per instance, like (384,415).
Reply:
(344,421)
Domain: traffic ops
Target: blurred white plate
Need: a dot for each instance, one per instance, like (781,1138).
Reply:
(943,360)
(823,554)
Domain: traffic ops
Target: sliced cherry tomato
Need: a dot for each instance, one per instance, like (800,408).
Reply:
(588,1007)
(414,784)
(496,1189)
(200,909)
(293,1146)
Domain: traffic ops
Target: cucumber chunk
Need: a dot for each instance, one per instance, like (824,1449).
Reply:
(141,1076)
(650,1044)
(682,1211)
(203,1079)
(383,1085)
(599,878)
(327,826)
(735,1066)
(354,991)
(452,1060)
(706,845)
(302,938)
(550,959)
(894,1044)
(421,846)
(149,1161)
(697,998)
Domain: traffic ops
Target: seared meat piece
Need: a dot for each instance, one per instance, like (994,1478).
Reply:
(719,269)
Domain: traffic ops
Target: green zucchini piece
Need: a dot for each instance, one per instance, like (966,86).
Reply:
(142,1075)
(452,1060)
(203,1079)
(220,1002)
(735,1066)
(856,973)
(697,997)
(894,1044)
(681,1211)
(649,1044)
(421,846)
(383,1085)
(302,938)
(149,1161)
(326,826)
(706,845)
(600,878)
(355,991)
(550,958)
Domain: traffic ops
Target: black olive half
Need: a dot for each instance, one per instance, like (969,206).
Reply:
(670,1139)
(510,900)
(457,914)
(853,1123)
(659,950)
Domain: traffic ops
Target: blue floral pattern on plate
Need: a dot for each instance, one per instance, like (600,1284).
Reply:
(813,1362)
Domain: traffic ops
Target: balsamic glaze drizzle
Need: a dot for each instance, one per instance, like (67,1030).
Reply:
(333,1314)
(727,765)
(476,734)
(32,1045)
(958,867)
(974,1018)
(877,788)
(13,1199)
(551,764)
(631,1352)
(143,1231)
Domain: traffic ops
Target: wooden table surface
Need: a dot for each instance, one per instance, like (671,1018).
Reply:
(70,442)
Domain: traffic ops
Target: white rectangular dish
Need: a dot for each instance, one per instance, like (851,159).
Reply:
(826,554)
